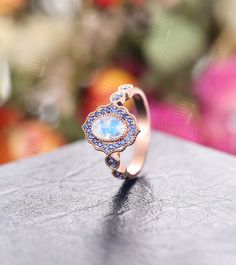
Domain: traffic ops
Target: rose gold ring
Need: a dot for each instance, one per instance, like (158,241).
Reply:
(112,128)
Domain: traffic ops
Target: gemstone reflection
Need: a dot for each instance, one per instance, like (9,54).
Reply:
(109,128)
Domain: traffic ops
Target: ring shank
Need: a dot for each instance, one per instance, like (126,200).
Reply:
(143,138)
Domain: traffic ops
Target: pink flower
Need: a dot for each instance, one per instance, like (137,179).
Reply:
(216,86)
(220,131)
(176,120)
(216,90)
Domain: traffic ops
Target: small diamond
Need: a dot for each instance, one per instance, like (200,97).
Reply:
(112,108)
(128,138)
(130,120)
(116,97)
(118,175)
(125,87)
(131,133)
(91,118)
(112,162)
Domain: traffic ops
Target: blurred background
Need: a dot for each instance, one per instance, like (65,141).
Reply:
(60,59)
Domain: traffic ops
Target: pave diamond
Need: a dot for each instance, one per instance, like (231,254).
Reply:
(117,97)
(109,128)
(125,87)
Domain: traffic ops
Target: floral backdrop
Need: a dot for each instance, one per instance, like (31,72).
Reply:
(59,60)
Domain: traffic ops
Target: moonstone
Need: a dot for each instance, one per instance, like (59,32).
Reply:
(108,128)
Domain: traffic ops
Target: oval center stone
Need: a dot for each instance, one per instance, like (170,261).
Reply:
(108,128)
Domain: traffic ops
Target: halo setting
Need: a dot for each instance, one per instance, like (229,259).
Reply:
(111,128)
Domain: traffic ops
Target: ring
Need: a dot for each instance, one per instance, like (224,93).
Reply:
(112,128)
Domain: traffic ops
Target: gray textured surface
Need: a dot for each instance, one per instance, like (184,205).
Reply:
(65,208)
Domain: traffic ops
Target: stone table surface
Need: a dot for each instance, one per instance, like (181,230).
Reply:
(64,208)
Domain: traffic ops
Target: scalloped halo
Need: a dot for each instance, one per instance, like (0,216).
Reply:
(117,125)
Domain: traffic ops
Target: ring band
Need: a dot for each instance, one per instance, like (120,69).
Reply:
(112,128)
